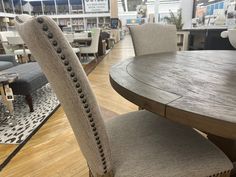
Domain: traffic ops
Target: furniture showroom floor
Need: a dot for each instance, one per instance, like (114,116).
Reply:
(53,150)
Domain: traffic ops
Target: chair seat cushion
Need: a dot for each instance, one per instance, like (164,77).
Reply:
(30,78)
(5,65)
(145,145)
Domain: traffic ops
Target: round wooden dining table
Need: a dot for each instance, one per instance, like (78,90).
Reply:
(194,88)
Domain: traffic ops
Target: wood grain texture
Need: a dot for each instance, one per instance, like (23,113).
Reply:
(129,87)
(196,88)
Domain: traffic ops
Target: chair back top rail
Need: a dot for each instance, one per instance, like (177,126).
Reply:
(153,38)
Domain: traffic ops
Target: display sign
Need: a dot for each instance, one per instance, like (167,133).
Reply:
(93,6)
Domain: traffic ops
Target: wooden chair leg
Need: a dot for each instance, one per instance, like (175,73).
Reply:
(29,101)
(96,58)
(20,59)
(29,57)
(79,54)
(87,56)
(90,173)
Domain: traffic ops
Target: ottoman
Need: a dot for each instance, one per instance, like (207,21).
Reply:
(30,78)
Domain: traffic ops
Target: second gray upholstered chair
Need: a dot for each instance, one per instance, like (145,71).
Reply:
(153,38)
(138,144)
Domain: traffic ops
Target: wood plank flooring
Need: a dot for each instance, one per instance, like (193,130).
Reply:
(53,150)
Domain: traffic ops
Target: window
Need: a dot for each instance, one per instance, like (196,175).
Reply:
(1,8)
(132,4)
(76,6)
(49,7)
(8,6)
(17,6)
(62,6)
(36,7)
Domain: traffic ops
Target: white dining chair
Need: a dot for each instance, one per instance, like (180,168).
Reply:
(17,41)
(12,46)
(137,144)
(153,38)
(93,48)
(70,39)
(3,37)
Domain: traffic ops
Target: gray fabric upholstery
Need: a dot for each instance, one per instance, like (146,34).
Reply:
(7,61)
(30,78)
(145,145)
(8,58)
(142,144)
(153,38)
(30,75)
(69,81)
(5,65)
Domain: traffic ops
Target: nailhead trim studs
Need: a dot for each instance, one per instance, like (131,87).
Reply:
(45,27)
(54,43)
(40,20)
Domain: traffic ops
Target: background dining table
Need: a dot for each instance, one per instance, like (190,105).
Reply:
(194,88)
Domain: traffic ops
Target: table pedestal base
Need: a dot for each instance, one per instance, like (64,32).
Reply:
(228,146)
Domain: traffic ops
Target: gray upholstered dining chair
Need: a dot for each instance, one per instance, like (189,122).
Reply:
(137,144)
(153,38)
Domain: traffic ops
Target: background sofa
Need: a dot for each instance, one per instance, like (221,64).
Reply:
(7,61)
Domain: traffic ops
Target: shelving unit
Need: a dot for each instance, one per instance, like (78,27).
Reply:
(78,24)
(83,21)
(69,15)
(104,22)
(91,22)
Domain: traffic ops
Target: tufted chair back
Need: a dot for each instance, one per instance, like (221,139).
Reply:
(153,38)
(69,81)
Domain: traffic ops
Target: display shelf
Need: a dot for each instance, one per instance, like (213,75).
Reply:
(104,22)
(90,15)
(78,21)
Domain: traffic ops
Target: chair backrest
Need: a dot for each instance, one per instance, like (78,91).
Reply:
(93,48)
(69,81)
(3,37)
(80,35)
(69,37)
(153,38)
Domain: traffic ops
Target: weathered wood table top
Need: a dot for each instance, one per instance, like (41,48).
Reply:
(195,88)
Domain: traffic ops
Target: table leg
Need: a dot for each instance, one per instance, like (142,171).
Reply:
(228,146)
(25,55)
(8,104)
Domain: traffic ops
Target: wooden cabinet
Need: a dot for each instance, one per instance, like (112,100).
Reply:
(208,39)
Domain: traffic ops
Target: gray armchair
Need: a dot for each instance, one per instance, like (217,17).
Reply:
(137,144)
(7,61)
